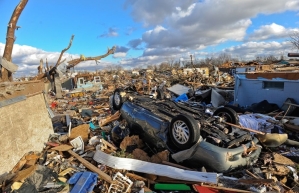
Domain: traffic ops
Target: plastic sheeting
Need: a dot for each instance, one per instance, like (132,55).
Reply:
(259,122)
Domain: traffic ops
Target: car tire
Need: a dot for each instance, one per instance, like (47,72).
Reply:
(118,99)
(228,114)
(184,131)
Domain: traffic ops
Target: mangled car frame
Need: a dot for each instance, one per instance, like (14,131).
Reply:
(190,135)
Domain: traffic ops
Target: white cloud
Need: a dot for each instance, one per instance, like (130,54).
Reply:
(271,31)
(164,52)
(155,12)
(141,62)
(175,28)
(198,24)
(120,55)
(250,50)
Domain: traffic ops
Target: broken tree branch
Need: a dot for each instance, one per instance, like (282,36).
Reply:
(62,61)
(65,49)
(76,61)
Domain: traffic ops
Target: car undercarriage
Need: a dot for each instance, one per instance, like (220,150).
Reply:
(183,127)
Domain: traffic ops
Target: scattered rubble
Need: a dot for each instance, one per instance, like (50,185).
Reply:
(94,148)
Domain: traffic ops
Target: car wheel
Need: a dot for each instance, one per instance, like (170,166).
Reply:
(118,98)
(184,131)
(228,114)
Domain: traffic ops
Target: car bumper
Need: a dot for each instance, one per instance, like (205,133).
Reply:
(222,159)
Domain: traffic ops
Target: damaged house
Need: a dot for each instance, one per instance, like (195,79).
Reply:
(275,87)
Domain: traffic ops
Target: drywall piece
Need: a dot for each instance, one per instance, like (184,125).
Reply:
(25,126)
(152,168)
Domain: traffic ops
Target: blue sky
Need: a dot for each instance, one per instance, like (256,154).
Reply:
(148,32)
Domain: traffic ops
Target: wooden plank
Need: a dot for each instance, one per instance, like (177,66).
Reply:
(58,89)
(63,147)
(228,189)
(296,105)
(93,168)
(256,181)
(109,119)
(135,176)
(244,128)
(26,82)
(23,174)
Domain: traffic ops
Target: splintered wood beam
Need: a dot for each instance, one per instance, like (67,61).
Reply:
(109,119)
(65,49)
(256,181)
(244,128)
(222,188)
(90,166)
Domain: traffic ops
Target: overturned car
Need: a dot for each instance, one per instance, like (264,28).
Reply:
(191,136)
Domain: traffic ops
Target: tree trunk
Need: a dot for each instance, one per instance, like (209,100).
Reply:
(10,38)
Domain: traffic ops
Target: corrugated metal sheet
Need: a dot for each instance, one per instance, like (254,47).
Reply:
(152,168)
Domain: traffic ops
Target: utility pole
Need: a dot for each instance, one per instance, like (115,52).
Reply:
(191,60)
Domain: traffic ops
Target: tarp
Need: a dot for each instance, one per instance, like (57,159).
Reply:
(8,65)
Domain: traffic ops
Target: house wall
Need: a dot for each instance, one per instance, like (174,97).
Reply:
(25,127)
(249,91)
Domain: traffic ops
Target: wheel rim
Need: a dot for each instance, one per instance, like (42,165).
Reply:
(180,132)
(226,117)
(117,98)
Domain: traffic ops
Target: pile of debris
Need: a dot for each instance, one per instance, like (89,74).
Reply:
(94,148)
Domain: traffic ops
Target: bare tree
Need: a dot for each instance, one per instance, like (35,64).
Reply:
(118,68)
(151,67)
(170,60)
(271,58)
(10,38)
(176,65)
(224,57)
(294,39)
(164,66)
